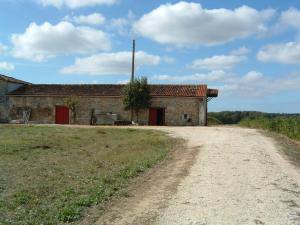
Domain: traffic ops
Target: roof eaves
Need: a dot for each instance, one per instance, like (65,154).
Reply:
(12,80)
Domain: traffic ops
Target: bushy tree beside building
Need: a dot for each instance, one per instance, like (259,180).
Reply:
(136,96)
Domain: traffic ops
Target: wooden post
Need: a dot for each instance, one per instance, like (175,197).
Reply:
(133,60)
(132,71)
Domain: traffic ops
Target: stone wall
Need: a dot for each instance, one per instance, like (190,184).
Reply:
(43,109)
(175,108)
(3,101)
(6,87)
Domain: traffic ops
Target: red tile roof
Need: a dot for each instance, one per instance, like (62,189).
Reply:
(107,90)
(179,90)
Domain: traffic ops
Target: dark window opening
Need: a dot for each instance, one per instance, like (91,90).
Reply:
(160,116)
(185,116)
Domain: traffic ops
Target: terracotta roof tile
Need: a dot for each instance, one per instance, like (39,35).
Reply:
(107,90)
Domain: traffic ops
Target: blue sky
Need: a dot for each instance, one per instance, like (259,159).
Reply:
(249,50)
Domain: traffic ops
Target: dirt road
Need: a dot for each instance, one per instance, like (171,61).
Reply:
(232,176)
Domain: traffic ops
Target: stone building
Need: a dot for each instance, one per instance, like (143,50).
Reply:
(174,105)
(7,84)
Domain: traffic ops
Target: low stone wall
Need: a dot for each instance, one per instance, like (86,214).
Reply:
(43,109)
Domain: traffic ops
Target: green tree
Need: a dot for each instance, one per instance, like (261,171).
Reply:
(72,103)
(136,96)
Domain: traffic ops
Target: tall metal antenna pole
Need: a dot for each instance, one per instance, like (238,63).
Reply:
(133,60)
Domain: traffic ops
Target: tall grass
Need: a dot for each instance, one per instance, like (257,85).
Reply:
(289,126)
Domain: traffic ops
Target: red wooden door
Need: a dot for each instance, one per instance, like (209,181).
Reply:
(62,115)
(152,116)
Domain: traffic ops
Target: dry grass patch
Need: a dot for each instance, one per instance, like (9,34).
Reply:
(290,148)
(49,175)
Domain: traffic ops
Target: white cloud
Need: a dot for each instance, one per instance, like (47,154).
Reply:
(218,62)
(92,19)
(6,66)
(123,81)
(73,4)
(39,43)
(221,62)
(122,25)
(291,18)
(255,84)
(168,59)
(188,24)
(251,84)
(252,76)
(110,63)
(241,51)
(217,75)
(3,48)
(286,53)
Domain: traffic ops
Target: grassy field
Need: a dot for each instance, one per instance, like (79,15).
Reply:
(49,175)
(288,126)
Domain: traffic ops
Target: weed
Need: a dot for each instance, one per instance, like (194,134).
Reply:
(22,197)
(70,213)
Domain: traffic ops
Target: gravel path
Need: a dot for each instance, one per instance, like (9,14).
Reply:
(238,178)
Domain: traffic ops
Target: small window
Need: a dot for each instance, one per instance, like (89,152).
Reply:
(185,116)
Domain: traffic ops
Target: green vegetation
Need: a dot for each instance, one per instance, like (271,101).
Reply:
(212,121)
(289,126)
(136,96)
(49,175)
(72,103)
(234,117)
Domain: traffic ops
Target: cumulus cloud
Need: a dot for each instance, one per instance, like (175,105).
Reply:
(92,19)
(218,62)
(252,76)
(290,18)
(40,42)
(122,25)
(118,63)
(6,66)
(200,77)
(73,4)
(286,53)
(241,51)
(255,84)
(251,84)
(188,24)
(3,48)
(221,62)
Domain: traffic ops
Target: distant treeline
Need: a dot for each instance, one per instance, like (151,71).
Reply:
(235,117)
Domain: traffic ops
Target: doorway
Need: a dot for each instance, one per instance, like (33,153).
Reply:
(156,116)
(62,115)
